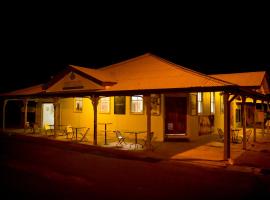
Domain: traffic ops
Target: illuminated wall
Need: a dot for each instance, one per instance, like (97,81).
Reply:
(122,122)
(129,121)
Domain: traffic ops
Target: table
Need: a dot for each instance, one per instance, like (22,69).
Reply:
(76,130)
(105,130)
(235,133)
(136,137)
(53,127)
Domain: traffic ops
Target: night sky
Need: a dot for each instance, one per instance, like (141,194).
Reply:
(33,52)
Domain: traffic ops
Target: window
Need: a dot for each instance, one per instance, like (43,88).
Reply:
(212,102)
(104,105)
(119,105)
(200,102)
(192,105)
(78,104)
(136,104)
(221,103)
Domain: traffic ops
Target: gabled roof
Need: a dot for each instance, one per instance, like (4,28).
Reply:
(152,72)
(95,73)
(249,79)
(146,72)
(33,90)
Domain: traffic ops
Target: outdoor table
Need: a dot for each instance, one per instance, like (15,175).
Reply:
(105,130)
(136,137)
(234,136)
(76,130)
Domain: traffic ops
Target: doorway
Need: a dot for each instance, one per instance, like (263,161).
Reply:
(176,115)
(47,114)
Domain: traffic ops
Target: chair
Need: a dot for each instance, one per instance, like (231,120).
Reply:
(248,134)
(121,139)
(69,131)
(85,134)
(221,134)
(150,142)
(47,128)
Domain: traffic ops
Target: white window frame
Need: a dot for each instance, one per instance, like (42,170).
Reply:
(200,103)
(105,105)
(212,102)
(136,104)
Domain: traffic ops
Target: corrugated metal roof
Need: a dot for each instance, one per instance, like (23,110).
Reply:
(37,89)
(95,73)
(151,72)
(243,79)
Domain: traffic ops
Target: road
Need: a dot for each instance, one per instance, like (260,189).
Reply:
(45,170)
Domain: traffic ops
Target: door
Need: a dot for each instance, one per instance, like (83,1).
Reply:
(176,115)
(47,114)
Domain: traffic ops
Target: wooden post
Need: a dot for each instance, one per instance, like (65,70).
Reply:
(25,102)
(148,119)
(227,150)
(267,117)
(94,100)
(56,110)
(262,124)
(254,124)
(244,123)
(4,114)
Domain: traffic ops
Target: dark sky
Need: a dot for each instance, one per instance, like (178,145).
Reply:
(35,49)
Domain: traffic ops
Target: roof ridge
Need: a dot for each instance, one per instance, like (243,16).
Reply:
(190,70)
(81,67)
(236,73)
(124,61)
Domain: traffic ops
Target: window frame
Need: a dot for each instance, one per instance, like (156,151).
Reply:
(137,100)
(105,100)
(200,103)
(78,104)
(212,103)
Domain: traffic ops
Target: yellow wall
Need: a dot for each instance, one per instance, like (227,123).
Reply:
(121,122)
(219,114)
(130,121)
(193,121)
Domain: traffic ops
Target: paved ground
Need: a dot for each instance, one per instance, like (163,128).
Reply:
(207,151)
(39,168)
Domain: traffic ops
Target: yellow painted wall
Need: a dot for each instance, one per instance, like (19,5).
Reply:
(193,121)
(130,121)
(122,122)
(219,114)
(76,119)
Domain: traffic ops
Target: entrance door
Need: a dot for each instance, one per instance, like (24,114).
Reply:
(176,115)
(47,114)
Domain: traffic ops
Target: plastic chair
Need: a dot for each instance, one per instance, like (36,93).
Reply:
(69,131)
(221,134)
(121,139)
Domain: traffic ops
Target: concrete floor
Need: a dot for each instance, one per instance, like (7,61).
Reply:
(206,150)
